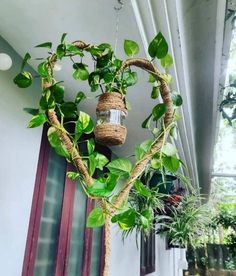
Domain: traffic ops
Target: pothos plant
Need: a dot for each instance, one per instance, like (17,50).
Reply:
(110,74)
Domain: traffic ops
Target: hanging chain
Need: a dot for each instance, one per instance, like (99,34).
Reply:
(117,10)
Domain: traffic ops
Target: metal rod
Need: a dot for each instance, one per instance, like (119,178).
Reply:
(223,175)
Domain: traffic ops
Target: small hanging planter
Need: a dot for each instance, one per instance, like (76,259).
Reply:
(111,112)
(163,187)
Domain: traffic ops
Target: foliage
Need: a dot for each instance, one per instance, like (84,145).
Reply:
(186,222)
(110,74)
(228,105)
(226,218)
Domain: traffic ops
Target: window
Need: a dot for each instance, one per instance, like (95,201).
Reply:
(58,242)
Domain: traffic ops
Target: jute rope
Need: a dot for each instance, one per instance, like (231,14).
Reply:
(111,100)
(107,246)
(140,166)
(110,134)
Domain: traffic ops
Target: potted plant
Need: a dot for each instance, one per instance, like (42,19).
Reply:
(164,182)
(186,223)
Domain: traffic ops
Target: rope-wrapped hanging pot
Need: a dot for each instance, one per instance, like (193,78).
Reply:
(111,112)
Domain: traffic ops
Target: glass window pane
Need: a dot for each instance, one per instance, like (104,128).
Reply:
(77,233)
(51,216)
(96,252)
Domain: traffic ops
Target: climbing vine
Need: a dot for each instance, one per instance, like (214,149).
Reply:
(69,127)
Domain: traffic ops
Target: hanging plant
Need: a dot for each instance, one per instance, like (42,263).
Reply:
(228,106)
(185,223)
(113,76)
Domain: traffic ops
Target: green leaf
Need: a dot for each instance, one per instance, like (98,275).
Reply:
(96,218)
(171,163)
(130,77)
(145,222)
(79,97)
(23,79)
(61,51)
(158,111)
(94,79)
(177,116)
(177,99)
(84,124)
(90,146)
(105,46)
(69,109)
(63,37)
(120,166)
(117,63)
(173,132)
(37,120)
(146,123)
(126,220)
(146,145)
(58,92)
(89,128)
(81,73)
(111,181)
(151,78)
(156,131)
(158,47)
(56,143)
(72,175)
(45,45)
(95,51)
(92,164)
(43,69)
(155,92)
(25,60)
(143,148)
(104,185)
(47,101)
(169,150)
(155,163)
(131,48)
(142,189)
(104,60)
(148,214)
(98,189)
(32,111)
(74,50)
(166,61)
(101,161)
(108,77)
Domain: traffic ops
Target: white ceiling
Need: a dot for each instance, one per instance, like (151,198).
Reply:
(194,30)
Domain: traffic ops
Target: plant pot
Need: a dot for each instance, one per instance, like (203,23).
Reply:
(111,112)
(164,188)
(169,245)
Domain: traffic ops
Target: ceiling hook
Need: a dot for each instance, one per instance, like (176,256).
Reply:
(120,3)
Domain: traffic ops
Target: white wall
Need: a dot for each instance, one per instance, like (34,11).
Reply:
(125,256)
(169,262)
(19,148)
